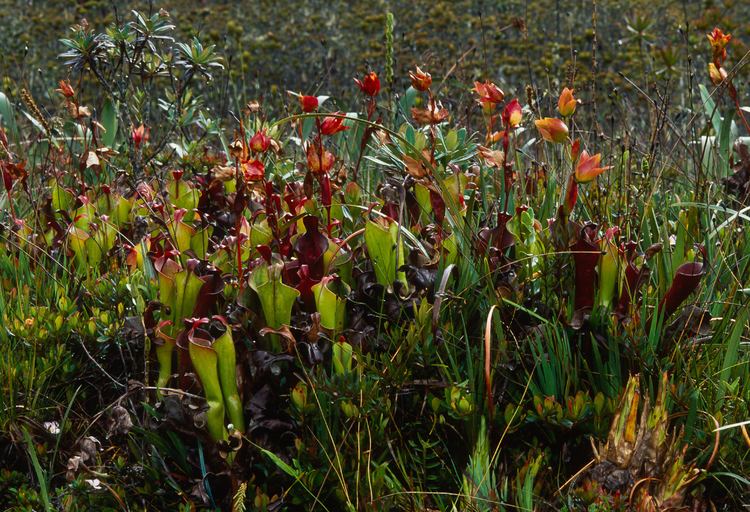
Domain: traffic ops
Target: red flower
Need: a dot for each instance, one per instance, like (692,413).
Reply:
(575,150)
(512,114)
(332,125)
(719,41)
(253,170)
(309,103)
(139,135)
(13,172)
(260,142)
(571,195)
(370,84)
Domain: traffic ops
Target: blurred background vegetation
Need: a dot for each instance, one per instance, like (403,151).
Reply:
(317,46)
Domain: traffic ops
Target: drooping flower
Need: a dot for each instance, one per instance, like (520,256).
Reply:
(552,129)
(238,149)
(492,157)
(419,167)
(260,142)
(253,170)
(370,84)
(78,111)
(512,114)
(496,136)
(12,172)
(333,124)
(571,196)
(488,92)
(717,74)
(66,89)
(566,104)
(420,80)
(318,159)
(575,150)
(719,41)
(308,103)
(588,167)
(433,114)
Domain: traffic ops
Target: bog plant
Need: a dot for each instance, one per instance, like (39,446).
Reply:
(371,310)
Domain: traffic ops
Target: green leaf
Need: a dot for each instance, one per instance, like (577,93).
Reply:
(227,367)
(709,107)
(387,256)
(451,140)
(41,475)
(109,122)
(205,363)
(276,298)
(731,354)
(725,143)
(330,305)
(283,466)
(342,358)
(8,117)
(407,101)
(35,122)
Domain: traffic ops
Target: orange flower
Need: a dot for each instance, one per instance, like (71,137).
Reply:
(308,103)
(318,159)
(420,80)
(512,114)
(434,114)
(370,84)
(566,105)
(717,74)
(588,168)
(332,125)
(66,89)
(139,135)
(260,142)
(552,129)
(719,41)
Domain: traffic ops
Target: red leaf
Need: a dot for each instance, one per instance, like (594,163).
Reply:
(310,247)
(685,281)
(586,255)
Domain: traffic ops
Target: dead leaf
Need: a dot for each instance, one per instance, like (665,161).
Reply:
(92,160)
